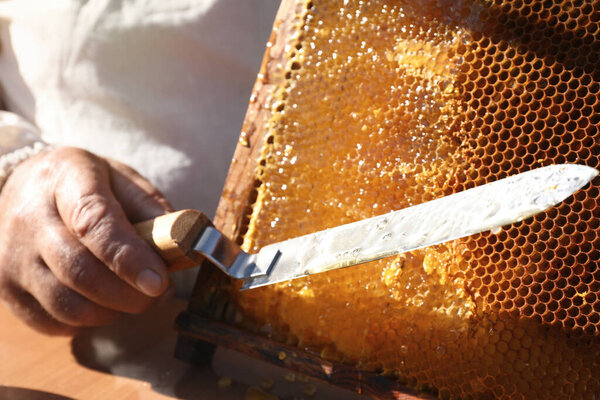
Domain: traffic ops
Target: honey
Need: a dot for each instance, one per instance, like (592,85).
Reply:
(387,104)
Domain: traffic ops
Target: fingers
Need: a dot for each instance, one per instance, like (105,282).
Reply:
(69,255)
(77,268)
(91,212)
(25,307)
(63,304)
(138,197)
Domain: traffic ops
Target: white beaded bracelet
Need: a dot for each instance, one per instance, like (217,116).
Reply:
(8,162)
(19,140)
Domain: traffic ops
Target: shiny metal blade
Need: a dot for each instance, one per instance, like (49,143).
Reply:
(462,214)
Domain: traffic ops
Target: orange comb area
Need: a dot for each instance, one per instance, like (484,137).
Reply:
(388,104)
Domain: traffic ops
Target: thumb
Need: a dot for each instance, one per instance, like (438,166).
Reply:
(138,197)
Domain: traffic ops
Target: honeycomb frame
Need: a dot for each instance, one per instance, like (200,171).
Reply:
(528,89)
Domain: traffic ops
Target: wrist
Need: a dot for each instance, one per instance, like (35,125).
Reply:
(9,161)
(19,140)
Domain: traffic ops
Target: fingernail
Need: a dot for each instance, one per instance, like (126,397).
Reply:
(149,282)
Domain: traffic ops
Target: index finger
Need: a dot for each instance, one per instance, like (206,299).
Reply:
(91,212)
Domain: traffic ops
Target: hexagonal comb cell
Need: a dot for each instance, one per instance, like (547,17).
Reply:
(386,104)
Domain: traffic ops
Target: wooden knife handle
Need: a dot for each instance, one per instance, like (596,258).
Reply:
(173,235)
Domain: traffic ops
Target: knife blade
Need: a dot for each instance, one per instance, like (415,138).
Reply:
(471,211)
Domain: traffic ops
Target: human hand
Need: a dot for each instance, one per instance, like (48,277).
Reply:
(69,256)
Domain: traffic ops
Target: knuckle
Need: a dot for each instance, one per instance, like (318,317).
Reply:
(59,160)
(122,259)
(75,272)
(72,309)
(67,152)
(158,197)
(89,214)
(67,306)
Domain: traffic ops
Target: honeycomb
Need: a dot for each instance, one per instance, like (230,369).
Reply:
(386,104)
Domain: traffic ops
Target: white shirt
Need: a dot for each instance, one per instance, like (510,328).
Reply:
(160,85)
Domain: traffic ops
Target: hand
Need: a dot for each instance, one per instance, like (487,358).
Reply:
(69,256)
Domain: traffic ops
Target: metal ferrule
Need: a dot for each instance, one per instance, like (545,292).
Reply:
(227,255)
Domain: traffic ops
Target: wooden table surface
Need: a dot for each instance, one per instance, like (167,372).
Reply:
(131,359)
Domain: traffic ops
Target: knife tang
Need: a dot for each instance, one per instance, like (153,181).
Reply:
(185,238)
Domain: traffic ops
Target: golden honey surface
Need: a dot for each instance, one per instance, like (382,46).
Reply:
(387,104)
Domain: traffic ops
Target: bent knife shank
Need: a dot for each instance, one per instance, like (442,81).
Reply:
(173,236)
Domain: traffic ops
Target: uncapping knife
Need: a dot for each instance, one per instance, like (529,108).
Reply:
(186,237)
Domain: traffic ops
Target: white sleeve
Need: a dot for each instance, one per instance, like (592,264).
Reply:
(19,140)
